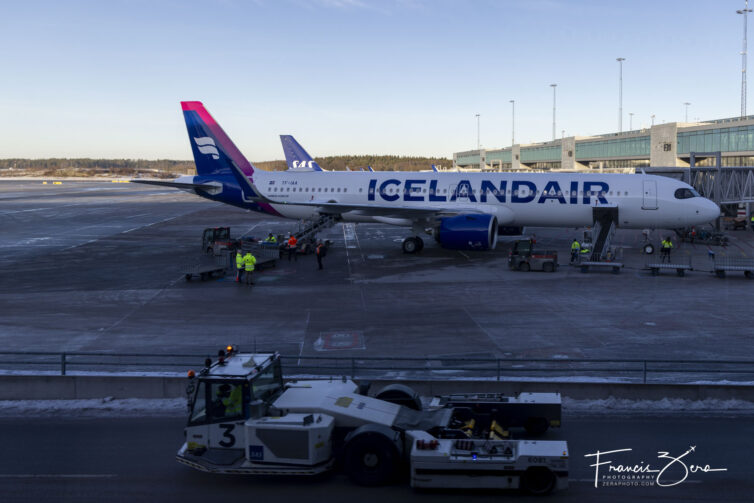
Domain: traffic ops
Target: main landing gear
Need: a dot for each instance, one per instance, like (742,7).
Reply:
(413,245)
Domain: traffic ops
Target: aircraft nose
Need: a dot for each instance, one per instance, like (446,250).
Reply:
(709,210)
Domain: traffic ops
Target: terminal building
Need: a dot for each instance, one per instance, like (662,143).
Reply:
(716,157)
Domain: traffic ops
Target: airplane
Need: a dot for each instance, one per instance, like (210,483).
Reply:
(460,210)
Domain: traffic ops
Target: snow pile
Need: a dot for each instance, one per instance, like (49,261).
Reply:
(612,404)
(98,407)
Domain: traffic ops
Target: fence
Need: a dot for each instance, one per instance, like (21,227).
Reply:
(426,368)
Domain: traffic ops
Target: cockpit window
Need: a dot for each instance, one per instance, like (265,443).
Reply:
(686,193)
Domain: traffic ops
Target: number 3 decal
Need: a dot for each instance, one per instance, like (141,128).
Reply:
(227,434)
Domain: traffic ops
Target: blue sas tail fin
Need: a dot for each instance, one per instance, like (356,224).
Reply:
(295,155)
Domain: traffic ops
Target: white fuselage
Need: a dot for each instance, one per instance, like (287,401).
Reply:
(516,199)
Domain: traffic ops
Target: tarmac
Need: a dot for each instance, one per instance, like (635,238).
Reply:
(98,266)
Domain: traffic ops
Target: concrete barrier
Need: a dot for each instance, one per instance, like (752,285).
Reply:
(23,387)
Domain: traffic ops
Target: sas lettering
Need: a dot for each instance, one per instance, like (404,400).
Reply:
(520,191)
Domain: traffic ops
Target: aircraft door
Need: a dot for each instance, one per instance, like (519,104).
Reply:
(650,195)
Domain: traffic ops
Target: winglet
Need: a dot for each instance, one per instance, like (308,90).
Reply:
(295,155)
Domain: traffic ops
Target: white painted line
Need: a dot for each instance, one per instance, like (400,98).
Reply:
(57,475)
(303,341)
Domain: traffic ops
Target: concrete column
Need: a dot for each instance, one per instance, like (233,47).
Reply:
(663,145)
(516,157)
(482,159)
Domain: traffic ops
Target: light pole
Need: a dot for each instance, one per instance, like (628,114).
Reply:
(513,122)
(686,104)
(653,119)
(630,121)
(743,11)
(553,109)
(478,141)
(620,93)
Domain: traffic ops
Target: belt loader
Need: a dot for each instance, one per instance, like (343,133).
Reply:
(244,419)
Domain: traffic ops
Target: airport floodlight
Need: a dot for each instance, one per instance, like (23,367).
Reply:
(686,104)
(513,121)
(478,141)
(630,121)
(744,11)
(553,109)
(620,93)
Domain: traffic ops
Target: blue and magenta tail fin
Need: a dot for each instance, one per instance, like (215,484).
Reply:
(213,150)
(295,155)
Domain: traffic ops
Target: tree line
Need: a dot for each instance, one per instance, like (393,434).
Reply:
(165,168)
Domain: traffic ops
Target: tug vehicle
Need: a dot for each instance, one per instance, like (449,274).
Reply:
(244,419)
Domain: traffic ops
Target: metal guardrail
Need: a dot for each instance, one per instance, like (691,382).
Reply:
(432,367)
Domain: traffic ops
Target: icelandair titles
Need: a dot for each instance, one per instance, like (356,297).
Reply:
(520,191)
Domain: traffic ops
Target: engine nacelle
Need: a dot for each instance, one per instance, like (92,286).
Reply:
(468,232)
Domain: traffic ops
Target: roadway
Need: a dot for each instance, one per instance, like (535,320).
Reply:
(60,459)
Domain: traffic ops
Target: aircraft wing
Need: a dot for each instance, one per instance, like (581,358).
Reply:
(178,185)
(396,211)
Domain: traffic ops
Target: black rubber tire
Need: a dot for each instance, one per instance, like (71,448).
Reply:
(749,274)
(649,249)
(680,272)
(410,246)
(524,267)
(203,276)
(655,271)
(548,267)
(420,242)
(400,394)
(536,426)
(538,480)
(188,277)
(720,273)
(370,459)
(616,270)
(210,251)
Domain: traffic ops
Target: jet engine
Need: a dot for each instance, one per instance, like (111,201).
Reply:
(468,232)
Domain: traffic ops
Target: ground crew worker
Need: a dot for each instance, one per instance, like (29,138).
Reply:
(665,248)
(270,239)
(249,261)
(292,243)
(752,222)
(239,265)
(320,251)
(575,249)
(584,249)
(231,400)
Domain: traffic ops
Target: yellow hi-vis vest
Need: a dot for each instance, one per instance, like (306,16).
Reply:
(239,260)
(575,245)
(234,403)
(249,261)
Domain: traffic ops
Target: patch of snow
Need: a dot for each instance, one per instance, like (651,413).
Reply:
(95,407)
(612,404)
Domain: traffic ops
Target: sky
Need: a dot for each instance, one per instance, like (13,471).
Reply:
(103,79)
